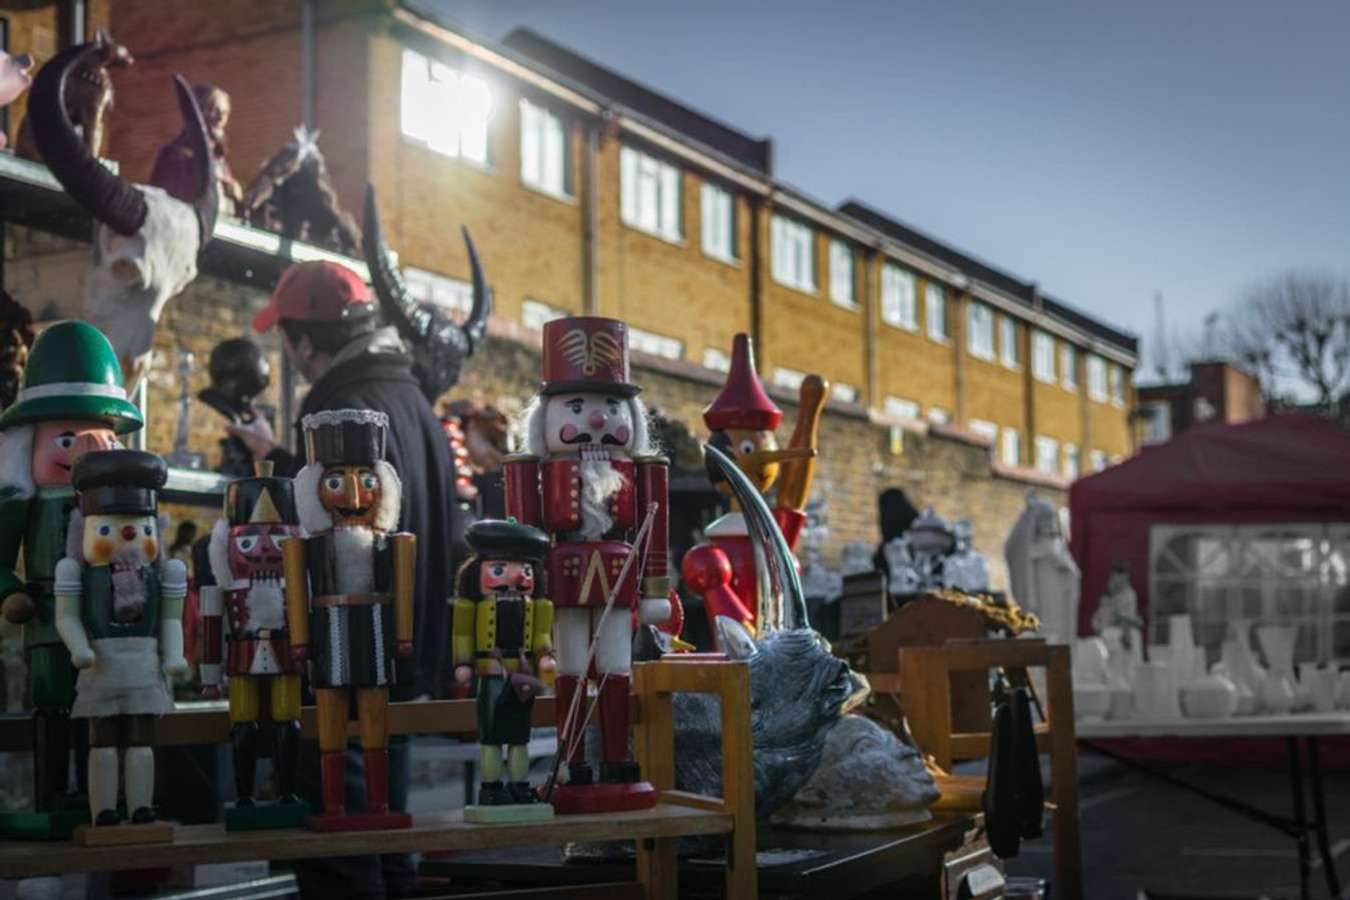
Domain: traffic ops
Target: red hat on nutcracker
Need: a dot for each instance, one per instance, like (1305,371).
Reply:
(742,402)
(586,353)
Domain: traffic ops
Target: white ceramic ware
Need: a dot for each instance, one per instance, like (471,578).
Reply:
(1122,703)
(1278,691)
(1091,661)
(1091,701)
(1320,683)
(1155,695)
(1210,697)
(1343,690)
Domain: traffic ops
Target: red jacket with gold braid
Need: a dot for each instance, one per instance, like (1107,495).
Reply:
(582,571)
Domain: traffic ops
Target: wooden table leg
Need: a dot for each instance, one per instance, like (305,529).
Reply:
(1319,796)
(653,738)
(1064,778)
(1300,816)
(739,791)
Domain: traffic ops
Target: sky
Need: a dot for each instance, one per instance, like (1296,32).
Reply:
(1107,151)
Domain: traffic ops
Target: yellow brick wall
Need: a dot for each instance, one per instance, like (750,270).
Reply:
(910,364)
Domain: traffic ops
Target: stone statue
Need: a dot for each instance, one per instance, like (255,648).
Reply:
(1045,580)
(1119,606)
(965,570)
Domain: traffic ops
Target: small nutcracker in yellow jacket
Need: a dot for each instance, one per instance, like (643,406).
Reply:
(502,632)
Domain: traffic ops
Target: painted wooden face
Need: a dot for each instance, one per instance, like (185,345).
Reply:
(351,495)
(57,443)
(585,419)
(744,447)
(502,577)
(120,539)
(255,549)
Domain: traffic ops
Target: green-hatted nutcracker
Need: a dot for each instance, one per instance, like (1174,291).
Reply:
(71,397)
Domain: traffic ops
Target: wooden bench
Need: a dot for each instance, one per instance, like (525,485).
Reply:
(657,831)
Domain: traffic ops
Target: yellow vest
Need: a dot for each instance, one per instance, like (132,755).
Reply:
(475,631)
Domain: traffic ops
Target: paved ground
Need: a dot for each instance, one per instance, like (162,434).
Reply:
(1140,833)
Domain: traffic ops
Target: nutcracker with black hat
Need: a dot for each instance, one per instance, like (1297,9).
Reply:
(592,480)
(119,610)
(349,601)
(245,638)
(503,633)
(71,397)
(742,419)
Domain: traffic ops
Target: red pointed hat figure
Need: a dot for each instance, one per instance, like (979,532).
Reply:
(742,419)
(591,479)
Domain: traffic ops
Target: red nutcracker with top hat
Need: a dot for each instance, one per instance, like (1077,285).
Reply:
(590,478)
(742,420)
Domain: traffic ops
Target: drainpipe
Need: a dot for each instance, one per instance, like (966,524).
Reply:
(590,211)
(755,260)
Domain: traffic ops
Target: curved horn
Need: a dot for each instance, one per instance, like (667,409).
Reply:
(207,202)
(108,198)
(476,325)
(399,307)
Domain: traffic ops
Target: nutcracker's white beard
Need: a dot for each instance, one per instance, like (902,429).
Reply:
(600,481)
(128,584)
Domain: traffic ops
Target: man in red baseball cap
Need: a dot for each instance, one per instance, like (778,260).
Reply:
(332,334)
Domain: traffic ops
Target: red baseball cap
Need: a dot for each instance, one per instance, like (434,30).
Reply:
(316,291)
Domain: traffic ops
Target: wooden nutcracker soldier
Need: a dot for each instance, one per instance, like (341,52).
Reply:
(503,633)
(349,601)
(591,479)
(119,610)
(71,397)
(244,635)
(742,420)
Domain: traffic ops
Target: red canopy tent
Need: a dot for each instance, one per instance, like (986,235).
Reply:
(1283,468)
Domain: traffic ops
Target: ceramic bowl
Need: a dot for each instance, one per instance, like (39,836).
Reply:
(1210,697)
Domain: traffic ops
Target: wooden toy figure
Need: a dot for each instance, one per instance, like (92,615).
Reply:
(119,610)
(591,479)
(247,604)
(71,395)
(742,420)
(349,601)
(502,632)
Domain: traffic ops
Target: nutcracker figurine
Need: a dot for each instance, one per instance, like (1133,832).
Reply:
(247,604)
(742,420)
(591,479)
(502,632)
(349,601)
(119,610)
(71,395)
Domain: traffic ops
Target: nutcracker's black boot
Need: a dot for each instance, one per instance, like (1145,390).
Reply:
(521,792)
(626,772)
(244,741)
(580,773)
(286,760)
(493,793)
(51,757)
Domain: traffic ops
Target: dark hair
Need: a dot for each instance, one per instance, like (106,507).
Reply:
(329,337)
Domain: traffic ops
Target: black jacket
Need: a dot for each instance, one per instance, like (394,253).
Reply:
(418,450)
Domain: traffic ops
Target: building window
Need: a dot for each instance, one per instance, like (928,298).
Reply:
(788,378)
(844,393)
(1008,348)
(897,297)
(717,220)
(1011,447)
(655,344)
(1157,415)
(716,359)
(649,194)
(1117,379)
(794,254)
(841,273)
(1068,367)
(938,415)
(1096,378)
(1097,460)
(447,111)
(1047,455)
(984,429)
(544,157)
(1042,356)
(935,310)
(980,323)
(448,293)
(534,314)
(1071,461)
(901,408)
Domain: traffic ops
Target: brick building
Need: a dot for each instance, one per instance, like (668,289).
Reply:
(587,192)
(1214,393)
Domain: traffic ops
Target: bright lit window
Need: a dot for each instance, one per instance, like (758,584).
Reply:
(841,273)
(901,408)
(897,297)
(788,378)
(939,415)
(717,217)
(1117,379)
(1097,460)
(716,359)
(1157,415)
(1068,367)
(984,429)
(935,310)
(649,192)
(1011,447)
(655,344)
(1047,455)
(844,393)
(450,293)
(534,314)
(1009,351)
(543,150)
(1096,378)
(1071,463)
(444,109)
(794,256)
(980,324)
(1042,356)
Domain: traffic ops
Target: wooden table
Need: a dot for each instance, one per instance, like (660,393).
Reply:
(1300,732)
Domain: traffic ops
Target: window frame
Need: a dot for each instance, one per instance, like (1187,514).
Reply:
(935,297)
(1047,455)
(1043,352)
(839,250)
(1009,343)
(637,170)
(709,190)
(783,229)
(1068,364)
(1096,365)
(893,310)
(546,114)
(1004,445)
(984,330)
(435,73)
